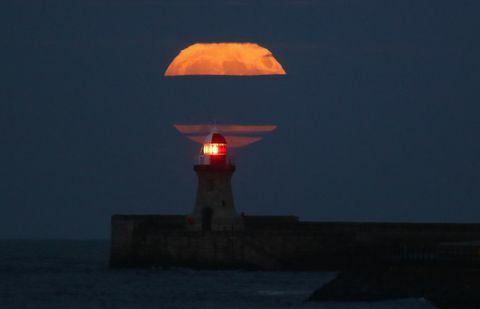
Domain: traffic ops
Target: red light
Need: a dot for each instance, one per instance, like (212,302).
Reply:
(214,149)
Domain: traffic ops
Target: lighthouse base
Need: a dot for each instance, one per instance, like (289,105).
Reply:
(210,223)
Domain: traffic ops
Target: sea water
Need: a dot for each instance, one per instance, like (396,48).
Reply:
(75,274)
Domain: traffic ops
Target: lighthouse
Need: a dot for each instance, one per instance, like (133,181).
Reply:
(214,208)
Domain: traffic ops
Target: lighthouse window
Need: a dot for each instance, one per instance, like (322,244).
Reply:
(214,149)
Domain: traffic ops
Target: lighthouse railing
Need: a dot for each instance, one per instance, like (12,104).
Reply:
(205,160)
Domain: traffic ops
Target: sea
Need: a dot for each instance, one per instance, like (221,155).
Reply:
(75,274)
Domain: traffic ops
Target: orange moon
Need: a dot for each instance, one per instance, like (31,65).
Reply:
(236,59)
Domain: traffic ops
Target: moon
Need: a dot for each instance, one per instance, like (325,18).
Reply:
(235,59)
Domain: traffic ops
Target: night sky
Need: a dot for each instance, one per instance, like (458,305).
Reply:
(378,118)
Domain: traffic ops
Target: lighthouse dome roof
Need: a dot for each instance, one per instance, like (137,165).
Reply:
(215,138)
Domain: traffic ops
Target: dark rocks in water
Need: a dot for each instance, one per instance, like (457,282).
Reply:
(445,288)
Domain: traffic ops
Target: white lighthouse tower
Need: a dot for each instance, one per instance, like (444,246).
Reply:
(214,205)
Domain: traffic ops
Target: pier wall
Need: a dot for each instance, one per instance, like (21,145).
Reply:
(284,243)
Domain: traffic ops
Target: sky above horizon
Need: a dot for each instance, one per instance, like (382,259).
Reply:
(378,117)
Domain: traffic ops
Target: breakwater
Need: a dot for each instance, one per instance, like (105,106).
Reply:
(285,243)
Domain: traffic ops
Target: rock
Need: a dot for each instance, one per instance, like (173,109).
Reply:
(445,288)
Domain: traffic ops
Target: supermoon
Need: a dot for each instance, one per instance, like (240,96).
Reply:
(235,59)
